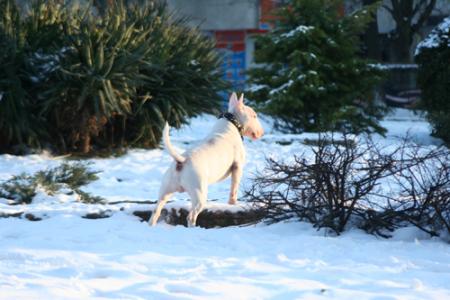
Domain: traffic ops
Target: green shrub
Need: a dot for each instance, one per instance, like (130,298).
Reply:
(73,175)
(96,79)
(83,82)
(88,198)
(16,119)
(182,78)
(21,189)
(25,41)
(433,55)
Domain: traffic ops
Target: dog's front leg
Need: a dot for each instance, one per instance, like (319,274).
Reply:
(236,174)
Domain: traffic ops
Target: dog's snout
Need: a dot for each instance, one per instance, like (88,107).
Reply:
(257,134)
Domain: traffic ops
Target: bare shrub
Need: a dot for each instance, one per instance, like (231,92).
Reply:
(330,190)
(348,182)
(424,190)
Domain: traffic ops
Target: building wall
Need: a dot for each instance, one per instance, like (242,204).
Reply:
(233,24)
(219,14)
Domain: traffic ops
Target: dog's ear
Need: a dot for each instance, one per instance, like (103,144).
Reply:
(241,99)
(235,104)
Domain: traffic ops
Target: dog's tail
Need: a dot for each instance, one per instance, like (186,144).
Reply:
(179,158)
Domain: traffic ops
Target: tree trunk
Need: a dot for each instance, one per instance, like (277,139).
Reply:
(85,132)
(401,44)
(372,39)
(409,17)
(373,42)
(122,131)
(86,142)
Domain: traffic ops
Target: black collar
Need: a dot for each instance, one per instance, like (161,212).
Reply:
(230,117)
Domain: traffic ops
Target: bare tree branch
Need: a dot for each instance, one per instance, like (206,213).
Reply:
(424,16)
(390,10)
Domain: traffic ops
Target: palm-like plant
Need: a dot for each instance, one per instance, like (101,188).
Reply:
(181,76)
(26,39)
(15,116)
(97,77)
(101,81)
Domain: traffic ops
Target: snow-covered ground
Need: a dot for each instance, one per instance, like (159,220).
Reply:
(65,256)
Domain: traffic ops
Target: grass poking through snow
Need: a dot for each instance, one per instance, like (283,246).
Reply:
(67,177)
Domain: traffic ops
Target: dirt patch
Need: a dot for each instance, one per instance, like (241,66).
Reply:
(207,218)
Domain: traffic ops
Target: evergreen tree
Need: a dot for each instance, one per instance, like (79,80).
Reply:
(433,55)
(311,77)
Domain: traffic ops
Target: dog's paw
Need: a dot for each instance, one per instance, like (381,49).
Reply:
(232,201)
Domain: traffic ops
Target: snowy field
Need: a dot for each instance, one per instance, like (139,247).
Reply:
(65,256)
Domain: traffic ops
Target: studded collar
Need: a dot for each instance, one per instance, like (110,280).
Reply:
(230,117)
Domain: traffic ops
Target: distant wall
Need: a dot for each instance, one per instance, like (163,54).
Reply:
(219,14)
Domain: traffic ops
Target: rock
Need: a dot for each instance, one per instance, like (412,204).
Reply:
(207,218)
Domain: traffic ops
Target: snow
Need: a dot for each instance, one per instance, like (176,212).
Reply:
(45,64)
(282,87)
(257,87)
(298,29)
(437,36)
(303,29)
(122,258)
(65,256)
(379,66)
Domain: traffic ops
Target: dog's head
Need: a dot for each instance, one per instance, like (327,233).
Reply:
(246,116)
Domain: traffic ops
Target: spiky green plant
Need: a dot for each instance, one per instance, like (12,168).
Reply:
(27,41)
(109,80)
(43,24)
(182,77)
(16,118)
(96,78)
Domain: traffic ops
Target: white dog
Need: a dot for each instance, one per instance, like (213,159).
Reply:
(220,155)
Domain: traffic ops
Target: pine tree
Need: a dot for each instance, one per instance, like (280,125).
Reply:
(310,76)
(433,55)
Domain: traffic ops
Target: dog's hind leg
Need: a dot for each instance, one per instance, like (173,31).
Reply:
(161,202)
(165,193)
(198,199)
